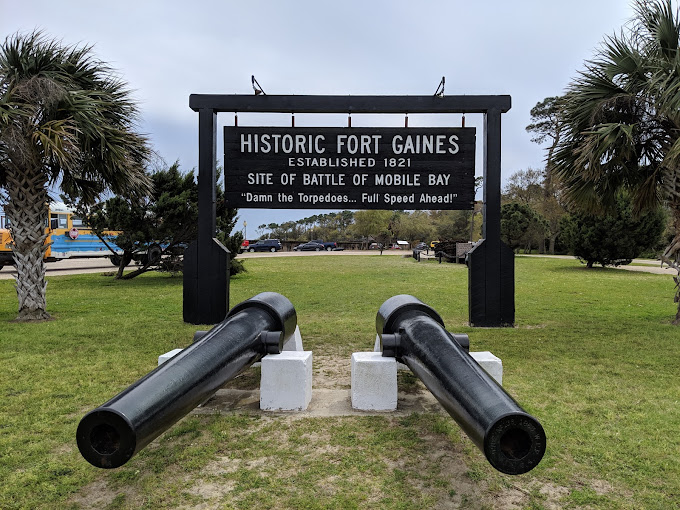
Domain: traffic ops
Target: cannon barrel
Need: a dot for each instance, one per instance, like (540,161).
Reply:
(512,440)
(111,434)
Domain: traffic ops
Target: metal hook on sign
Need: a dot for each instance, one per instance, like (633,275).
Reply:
(406,120)
(462,120)
(440,88)
(235,118)
(257,88)
(349,119)
(292,119)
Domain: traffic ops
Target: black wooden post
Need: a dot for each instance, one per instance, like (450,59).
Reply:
(206,260)
(207,161)
(491,278)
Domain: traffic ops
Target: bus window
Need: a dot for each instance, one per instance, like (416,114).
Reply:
(62,220)
(77,222)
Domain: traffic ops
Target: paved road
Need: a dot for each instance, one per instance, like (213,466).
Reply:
(98,265)
(78,266)
(67,266)
(248,255)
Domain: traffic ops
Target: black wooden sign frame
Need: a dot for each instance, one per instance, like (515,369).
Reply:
(491,263)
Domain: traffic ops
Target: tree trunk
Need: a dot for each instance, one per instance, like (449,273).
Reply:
(136,272)
(146,266)
(673,260)
(125,259)
(671,255)
(553,239)
(27,210)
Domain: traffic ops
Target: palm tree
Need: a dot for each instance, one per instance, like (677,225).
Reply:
(67,121)
(621,121)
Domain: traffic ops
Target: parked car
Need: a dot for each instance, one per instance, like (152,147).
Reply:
(266,245)
(328,246)
(421,246)
(375,246)
(310,246)
(244,245)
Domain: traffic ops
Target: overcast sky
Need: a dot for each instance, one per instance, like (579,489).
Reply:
(166,50)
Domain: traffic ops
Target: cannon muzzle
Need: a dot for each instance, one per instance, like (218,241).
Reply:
(512,440)
(111,434)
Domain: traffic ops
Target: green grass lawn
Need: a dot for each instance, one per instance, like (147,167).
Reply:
(593,356)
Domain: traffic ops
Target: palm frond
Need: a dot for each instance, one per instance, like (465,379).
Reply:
(658,25)
(77,113)
(57,141)
(621,115)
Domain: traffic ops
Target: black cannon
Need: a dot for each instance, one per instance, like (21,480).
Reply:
(512,440)
(111,434)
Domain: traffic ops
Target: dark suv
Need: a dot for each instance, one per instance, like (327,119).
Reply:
(266,245)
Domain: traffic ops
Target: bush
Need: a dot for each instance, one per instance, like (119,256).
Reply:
(613,239)
(522,226)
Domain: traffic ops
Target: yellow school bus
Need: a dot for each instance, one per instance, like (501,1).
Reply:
(67,237)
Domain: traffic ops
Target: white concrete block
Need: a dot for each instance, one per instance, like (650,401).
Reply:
(165,357)
(490,363)
(374,382)
(286,381)
(294,343)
